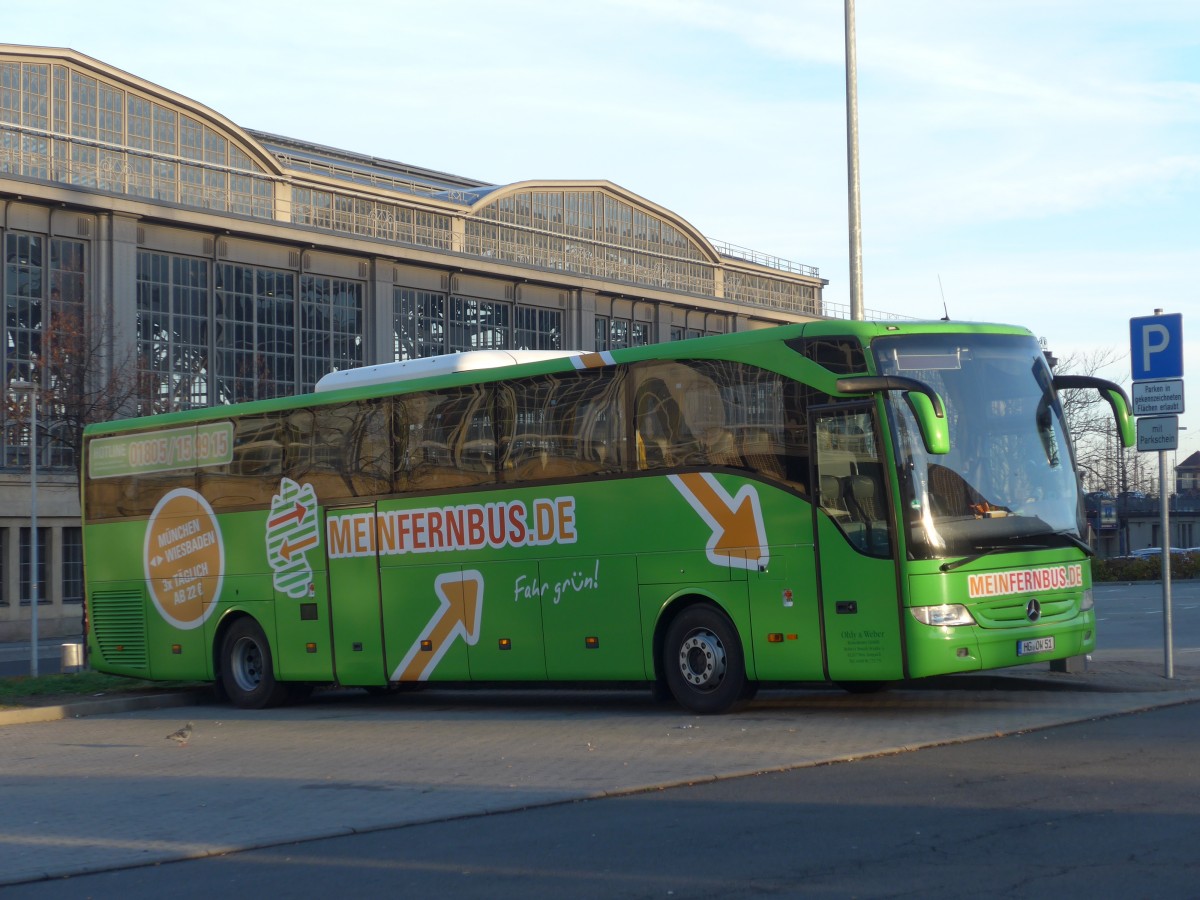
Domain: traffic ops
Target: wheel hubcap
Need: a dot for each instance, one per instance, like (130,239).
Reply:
(247,664)
(702,660)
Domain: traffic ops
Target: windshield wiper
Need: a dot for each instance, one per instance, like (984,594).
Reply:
(1078,542)
(987,551)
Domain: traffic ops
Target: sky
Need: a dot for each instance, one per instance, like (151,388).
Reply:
(1035,162)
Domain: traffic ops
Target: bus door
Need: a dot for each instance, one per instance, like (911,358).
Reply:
(855,541)
(354,611)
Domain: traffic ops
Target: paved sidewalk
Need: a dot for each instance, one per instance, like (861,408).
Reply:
(1114,671)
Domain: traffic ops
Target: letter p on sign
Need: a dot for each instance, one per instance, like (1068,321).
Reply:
(1156,347)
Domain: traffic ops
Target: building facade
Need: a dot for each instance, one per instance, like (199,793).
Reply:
(159,257)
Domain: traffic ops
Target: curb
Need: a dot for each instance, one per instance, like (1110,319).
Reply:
(36,714)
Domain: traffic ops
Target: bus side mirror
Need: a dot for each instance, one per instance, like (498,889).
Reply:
(935,430)
(1124,416)
(1112,393)
(927,406)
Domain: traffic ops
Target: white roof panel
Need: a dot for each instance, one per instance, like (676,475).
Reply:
(410,369)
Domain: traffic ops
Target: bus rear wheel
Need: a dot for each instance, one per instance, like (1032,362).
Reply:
(703,662)
(247,672)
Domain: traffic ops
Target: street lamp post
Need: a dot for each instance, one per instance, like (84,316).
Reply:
(29,389)
(855,214)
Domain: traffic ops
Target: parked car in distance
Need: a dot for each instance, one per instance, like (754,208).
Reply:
(1147,552)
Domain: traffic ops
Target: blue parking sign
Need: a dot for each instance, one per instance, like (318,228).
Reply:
(1156,347)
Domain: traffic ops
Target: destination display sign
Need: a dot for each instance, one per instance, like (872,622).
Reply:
(165,450)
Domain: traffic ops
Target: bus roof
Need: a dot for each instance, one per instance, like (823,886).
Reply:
(410,369)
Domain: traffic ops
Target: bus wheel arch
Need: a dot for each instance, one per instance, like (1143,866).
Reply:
(699,657)
(245,664)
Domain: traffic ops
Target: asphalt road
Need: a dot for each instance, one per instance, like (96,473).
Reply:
(1131,616)
(1107,808)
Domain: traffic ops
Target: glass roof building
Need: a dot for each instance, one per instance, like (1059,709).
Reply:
(157,251)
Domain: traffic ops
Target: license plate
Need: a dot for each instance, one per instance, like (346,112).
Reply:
(1036,645)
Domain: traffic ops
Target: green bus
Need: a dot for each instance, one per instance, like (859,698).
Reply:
(847,502)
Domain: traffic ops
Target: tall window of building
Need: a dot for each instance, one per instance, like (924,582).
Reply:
(331,311)
(603,327)
(172,332)
(45,340)
(34,113)
(477,325)
(23,296)
(618,333)
(419,319)
(166,141)
(27,564)
(71,348)
(254,335)
(537,329)
(72,565)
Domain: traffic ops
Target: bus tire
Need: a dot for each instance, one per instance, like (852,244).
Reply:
(247,671)
(703,662)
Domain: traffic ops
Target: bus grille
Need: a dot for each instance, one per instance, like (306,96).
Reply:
(118,624)
(1011,611)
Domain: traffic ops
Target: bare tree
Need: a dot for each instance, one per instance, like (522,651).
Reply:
(1105,464)
(78,384)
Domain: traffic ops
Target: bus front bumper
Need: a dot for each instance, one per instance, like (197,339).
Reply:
(946,649)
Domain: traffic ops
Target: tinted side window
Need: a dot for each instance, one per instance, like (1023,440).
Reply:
(716,413)
(252,477)
(343,451)
(563,425)
(445,439)
(840,355)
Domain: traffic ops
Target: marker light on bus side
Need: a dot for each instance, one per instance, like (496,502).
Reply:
(945,614)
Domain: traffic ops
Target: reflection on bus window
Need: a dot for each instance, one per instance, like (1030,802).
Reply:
(449,441)
(717,413)
(563,426)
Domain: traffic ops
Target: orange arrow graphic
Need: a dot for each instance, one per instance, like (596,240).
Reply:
(739,538)
(296,513)
(286,550)
(461,596)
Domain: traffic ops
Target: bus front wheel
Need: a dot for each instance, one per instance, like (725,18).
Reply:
(247,673)
(703,663)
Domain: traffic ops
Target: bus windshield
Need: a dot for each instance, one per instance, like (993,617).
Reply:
(1008,481)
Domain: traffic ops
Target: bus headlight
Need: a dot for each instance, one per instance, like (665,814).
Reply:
(1088,601)
(946,614)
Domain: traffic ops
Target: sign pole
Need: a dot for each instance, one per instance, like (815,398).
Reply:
(1156,358)
(1165,528)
